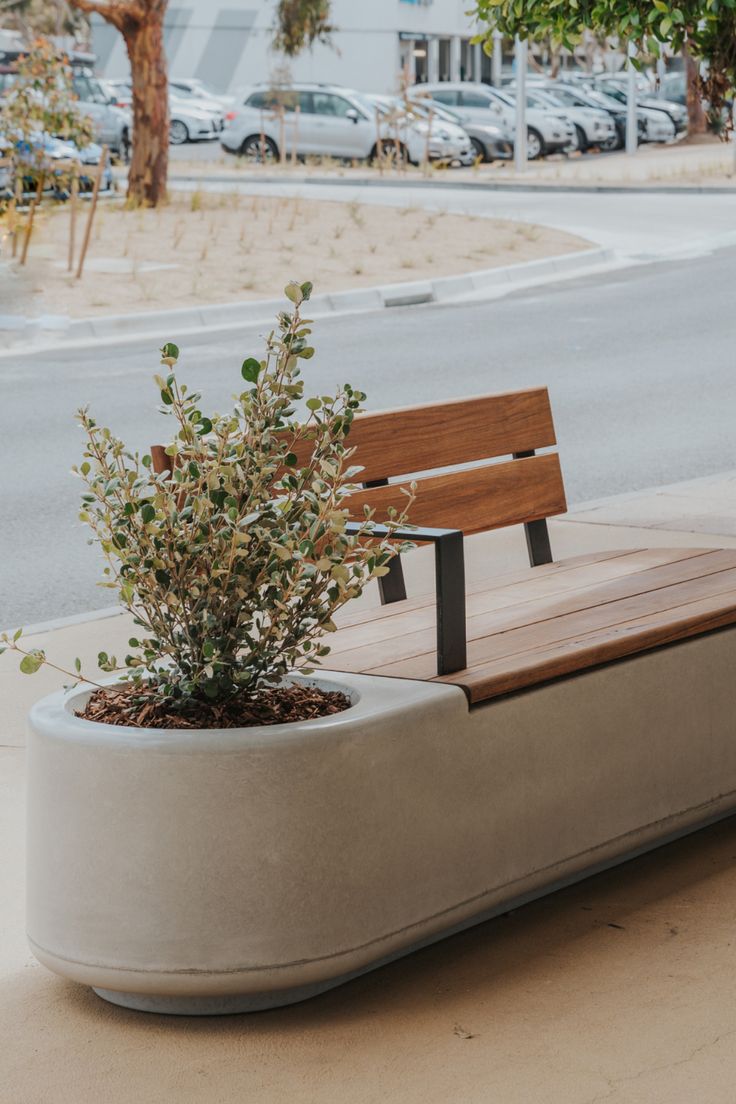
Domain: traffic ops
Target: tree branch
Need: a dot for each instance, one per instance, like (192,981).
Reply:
(114,11)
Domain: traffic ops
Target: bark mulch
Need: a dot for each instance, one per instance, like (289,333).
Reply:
(138,707)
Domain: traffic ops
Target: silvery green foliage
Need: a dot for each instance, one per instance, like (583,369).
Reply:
(234,566)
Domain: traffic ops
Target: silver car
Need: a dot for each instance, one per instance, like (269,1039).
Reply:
(335,122)
(112,123)
(593,126)
(547,130)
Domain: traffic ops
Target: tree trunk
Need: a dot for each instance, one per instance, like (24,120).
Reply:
(697,122)
(150,159)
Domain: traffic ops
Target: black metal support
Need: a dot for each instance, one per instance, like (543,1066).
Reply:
(391,587)
(449,561)
(536,532)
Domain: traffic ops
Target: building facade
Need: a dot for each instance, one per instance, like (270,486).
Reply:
(375,44)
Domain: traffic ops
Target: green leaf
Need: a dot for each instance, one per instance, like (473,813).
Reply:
(306,290)
(306,353)
(162,577)
(17,635)
(250,370)
(170,350)
(31,663)
(148,513)
(314,404)
(167,397)
(293,292)
(291,459)
(77,665)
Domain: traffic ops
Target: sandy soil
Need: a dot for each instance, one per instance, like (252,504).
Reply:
(210,248)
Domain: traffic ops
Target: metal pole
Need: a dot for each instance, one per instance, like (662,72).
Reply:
(520,53)
(632,131)
(497,59)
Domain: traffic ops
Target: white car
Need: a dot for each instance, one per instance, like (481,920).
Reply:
(425,136)
(188,122)
(335,122)
(192,86)
(593,126)
(548,130)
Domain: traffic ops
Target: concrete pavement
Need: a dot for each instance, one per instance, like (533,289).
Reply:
(620,988)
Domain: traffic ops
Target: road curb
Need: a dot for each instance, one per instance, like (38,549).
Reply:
(461,185)
(55,330)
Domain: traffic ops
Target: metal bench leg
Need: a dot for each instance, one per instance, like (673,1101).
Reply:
(450,584)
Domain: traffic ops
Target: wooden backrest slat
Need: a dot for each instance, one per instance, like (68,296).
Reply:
(476,499)
(397,443)
(457,431)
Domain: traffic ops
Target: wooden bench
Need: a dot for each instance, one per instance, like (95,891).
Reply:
(552,620)
(473,772)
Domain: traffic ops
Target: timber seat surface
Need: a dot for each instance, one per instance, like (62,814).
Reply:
(549,621)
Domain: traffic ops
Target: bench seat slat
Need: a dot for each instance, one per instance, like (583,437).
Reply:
(512,645)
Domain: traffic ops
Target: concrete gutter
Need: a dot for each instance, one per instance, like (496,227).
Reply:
(54,330)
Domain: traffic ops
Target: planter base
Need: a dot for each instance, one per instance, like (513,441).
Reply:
(205,873)
(213,1006)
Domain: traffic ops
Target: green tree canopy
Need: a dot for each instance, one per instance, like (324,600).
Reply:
(301,23)
(707,28)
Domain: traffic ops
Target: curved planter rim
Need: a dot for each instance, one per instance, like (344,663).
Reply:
(55,714)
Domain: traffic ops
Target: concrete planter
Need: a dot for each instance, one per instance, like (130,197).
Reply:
(219,871)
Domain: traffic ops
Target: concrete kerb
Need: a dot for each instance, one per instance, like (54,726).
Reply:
(39,332)
(205,180)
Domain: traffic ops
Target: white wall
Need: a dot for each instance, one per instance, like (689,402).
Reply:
(228,44)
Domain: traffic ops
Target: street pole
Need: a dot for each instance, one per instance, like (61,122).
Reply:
(632,128)
(497,59)
(520,54)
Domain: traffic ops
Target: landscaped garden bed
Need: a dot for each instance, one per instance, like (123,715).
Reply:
(204,247)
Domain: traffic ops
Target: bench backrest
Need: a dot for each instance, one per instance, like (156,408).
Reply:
(422,439)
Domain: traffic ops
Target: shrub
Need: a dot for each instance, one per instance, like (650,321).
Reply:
(233,562)
(41,101)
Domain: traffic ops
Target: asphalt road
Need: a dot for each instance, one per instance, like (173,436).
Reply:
(640,365)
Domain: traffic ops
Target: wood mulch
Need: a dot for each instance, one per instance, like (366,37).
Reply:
(140,707)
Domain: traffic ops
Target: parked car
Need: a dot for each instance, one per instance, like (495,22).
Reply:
(48,152)
(199,88)
(197,99)
(617,88)
(489,141)
(413,127)
(547,130)
(189,121)
(120,90)
(606,103)
(331,121)
(593,125)
(113,125)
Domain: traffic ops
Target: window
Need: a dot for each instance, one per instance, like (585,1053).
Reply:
(327,104)
(449,96)
(475,99)
(273,100)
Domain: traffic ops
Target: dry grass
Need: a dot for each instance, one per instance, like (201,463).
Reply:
(227,248)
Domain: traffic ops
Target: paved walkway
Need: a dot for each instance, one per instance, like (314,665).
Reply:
(622,988)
